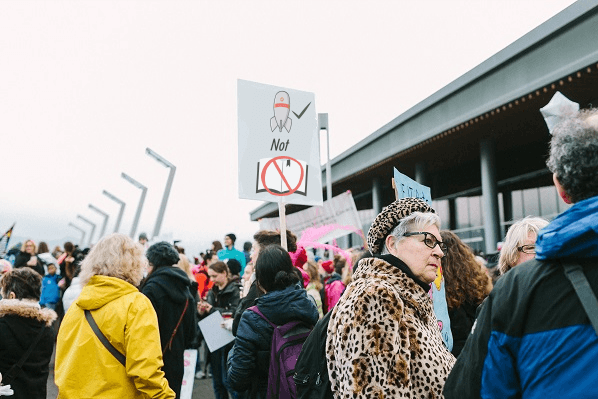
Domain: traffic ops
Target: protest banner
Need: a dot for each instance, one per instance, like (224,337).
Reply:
(279,147)
(279,144)
(215,335)
(406,187)
(189,362)
(339,214)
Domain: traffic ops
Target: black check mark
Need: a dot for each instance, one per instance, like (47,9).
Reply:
(302,112)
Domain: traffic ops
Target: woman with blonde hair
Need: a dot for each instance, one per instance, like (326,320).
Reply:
(27,257)
(520,243)
(112,334)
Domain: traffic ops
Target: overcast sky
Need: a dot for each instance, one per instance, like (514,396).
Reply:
(86,86)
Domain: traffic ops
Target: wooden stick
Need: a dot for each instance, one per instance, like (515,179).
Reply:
(394,187)
(283,224)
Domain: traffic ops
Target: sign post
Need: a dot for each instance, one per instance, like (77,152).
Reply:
(279,147)
(283,224)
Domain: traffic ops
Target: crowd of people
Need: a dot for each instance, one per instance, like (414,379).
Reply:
(124,312)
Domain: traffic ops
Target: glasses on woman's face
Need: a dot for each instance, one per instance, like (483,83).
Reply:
(429,239)
(527,249)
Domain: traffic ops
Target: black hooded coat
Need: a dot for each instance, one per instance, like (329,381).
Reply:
(169,288)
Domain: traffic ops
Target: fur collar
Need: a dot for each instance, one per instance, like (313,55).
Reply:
(28,309)
(410,291)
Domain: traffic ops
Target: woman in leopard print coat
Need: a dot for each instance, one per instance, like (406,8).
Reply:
(383,337)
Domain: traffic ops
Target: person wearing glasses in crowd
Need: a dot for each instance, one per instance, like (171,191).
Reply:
(383,336)
(520,243)
(27,257)
(533,338)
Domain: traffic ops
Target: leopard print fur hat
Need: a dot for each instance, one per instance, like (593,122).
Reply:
(390,217)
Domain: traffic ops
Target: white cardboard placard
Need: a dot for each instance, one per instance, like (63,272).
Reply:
(279,145)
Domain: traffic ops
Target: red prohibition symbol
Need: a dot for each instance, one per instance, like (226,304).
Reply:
(272,161)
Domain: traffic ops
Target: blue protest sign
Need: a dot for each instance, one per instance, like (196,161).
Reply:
(408,188)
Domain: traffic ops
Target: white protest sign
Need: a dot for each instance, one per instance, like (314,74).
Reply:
(339,211)
(189,362)
(215,335)
(408,188)
(279,146)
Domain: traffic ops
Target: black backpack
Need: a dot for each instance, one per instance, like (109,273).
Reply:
(311,371)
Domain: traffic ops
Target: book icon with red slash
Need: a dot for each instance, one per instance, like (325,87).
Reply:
(281,176)
(282,107)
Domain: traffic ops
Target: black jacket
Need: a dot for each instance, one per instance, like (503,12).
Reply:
(247,302)
(532,339)
(168,288)
(249,360)
(225,300)
(462,319)
(22,259)
(20,323)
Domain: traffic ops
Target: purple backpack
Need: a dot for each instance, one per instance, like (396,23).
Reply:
(287,341)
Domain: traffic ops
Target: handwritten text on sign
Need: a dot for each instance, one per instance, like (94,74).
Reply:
(409,188)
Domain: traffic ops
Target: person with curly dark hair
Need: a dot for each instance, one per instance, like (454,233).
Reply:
(466,287)
(169,289)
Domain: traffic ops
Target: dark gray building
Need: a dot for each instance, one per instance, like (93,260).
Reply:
(480,142)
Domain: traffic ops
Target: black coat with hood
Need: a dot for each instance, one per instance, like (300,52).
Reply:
(20,323)
(169,288)
(24,257)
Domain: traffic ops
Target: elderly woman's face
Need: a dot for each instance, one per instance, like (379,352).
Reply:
(528,249)
(421,259)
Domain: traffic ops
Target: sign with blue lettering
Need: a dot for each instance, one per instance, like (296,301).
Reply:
(408,188)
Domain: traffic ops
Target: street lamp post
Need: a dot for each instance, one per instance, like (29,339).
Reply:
(323,125)
(120,213)
(81,230)
(167,164)
(105,215)
(141,201)
(93,228)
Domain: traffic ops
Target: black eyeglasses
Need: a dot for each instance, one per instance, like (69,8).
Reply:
(430,240)
(527,249)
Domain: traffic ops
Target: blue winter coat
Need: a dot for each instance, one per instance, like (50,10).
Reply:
(532,338)
(249,359)
(50,289)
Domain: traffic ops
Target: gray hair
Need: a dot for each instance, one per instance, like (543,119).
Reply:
(414,222)
(574,154)
(518,232)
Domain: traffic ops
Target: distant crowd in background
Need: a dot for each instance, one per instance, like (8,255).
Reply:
(307,324)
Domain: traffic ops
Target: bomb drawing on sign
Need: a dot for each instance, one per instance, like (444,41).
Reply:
(282,107)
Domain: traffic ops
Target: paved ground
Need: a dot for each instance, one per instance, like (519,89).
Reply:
(202,389)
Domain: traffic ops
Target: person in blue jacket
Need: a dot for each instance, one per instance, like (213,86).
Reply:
(532,338)
(50,289)
(284,301)
(230,252)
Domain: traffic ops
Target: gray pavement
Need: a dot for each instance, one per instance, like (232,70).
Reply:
(202,389)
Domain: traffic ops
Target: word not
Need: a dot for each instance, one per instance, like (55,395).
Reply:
(279,146)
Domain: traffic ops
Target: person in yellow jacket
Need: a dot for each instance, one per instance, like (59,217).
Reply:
(85,367)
